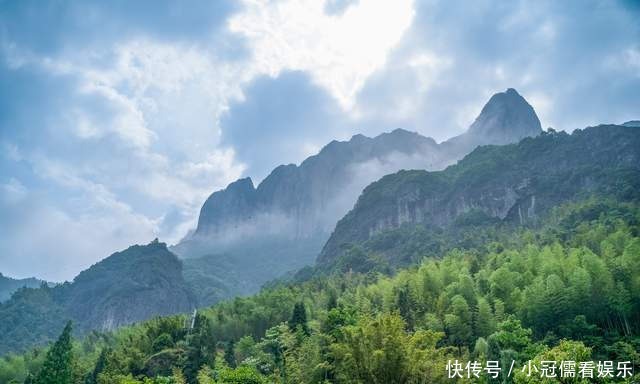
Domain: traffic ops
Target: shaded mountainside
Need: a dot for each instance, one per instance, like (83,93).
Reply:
(259,233)
(126,287)
(516,184)
(9,285)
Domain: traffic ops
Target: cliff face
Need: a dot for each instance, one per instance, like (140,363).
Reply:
(315,194)
(261,232)
(247,236)
(303,194)
(515,183)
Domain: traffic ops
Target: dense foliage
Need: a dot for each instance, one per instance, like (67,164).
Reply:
(569,289)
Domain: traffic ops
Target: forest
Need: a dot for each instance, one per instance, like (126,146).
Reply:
(568,289)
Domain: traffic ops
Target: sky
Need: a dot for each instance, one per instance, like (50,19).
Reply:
(119,118)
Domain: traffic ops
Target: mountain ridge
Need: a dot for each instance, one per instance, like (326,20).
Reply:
(246,224)
(516,182)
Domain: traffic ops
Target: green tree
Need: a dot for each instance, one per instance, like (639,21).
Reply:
(458,323)
(241,375)
(374,351)
(29,379)
(229,354)
(484,321)
(510,336)
(100,365)
(200,349)
(405,305)
(565,351)
(161,342)
(299,318)
(58,366)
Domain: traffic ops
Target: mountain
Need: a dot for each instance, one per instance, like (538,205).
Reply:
(515,184)
(260,233)
(506,118)
(301,201)
(248,235)
(129,286)
(9,285)
(632,123)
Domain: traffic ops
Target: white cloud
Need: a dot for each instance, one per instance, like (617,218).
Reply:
(167,100)
(48,242)
(631,59)
(339,51)
(55,240)
(161,103)
(13,191)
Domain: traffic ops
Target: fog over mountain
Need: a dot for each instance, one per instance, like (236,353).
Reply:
(281,224)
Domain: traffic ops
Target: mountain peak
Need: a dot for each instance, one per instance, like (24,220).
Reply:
(507,117)
(402,131)
(242,184)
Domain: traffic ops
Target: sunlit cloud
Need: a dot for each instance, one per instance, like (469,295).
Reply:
(340,51)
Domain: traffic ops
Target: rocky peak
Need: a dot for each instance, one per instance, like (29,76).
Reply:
(235,203)
(507,117)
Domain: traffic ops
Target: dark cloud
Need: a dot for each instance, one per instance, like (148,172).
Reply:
(49,26)
(281,120)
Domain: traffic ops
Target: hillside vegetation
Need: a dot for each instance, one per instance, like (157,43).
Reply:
(569,287)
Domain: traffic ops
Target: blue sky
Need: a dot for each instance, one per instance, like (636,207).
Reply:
(118,118)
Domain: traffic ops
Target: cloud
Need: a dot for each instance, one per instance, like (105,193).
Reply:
(62,27)
(286,118)
(47,241)
(552,52)
(340,51)
(131,144)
